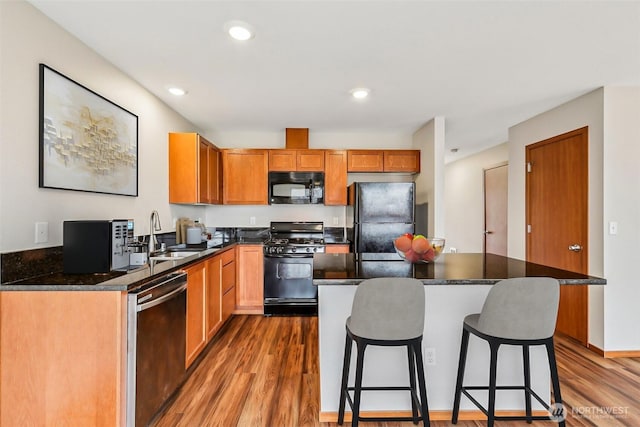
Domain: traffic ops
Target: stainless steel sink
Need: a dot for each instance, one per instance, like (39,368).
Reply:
(172,255)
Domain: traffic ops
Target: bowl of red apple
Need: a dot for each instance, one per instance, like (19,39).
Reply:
(418,248)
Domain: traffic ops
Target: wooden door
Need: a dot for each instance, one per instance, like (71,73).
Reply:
(495,210)
(557,219)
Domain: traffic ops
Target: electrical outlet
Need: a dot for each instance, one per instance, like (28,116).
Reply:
(453,250)
(429,356)
(252,220)
(336,220)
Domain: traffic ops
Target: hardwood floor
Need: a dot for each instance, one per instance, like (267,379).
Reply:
(263,371)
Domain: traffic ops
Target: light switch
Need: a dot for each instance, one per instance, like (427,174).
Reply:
(613,227)
(42,232)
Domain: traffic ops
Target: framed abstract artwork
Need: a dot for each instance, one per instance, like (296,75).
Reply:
(87,143)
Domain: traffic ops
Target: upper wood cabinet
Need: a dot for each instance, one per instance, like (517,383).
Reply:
(383,161)
(245,174)
(288,160)
(401,161)
(365,160)
(194,170)
(335,177)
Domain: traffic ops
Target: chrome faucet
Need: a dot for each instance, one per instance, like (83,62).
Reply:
(154,225)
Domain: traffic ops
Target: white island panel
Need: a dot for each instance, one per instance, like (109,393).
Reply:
(446,307)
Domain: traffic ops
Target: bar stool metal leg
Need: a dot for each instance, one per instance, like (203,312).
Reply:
(417,349)
(527,382)
(555,381)
(357,393)
(461,365)
(412,382)
(345,378)
(493,370)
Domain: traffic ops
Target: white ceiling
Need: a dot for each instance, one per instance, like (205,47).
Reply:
(484,66)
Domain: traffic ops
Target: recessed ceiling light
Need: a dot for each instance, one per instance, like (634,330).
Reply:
(360,92)
(177,91)
(239,30)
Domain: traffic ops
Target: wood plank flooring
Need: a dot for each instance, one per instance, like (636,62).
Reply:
(263,371)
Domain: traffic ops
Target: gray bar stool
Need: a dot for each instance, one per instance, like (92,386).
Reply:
(386,312)
(522,312)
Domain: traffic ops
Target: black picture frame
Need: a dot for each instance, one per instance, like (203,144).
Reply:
(87,142)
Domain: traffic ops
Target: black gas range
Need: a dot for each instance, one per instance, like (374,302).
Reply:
(288,268)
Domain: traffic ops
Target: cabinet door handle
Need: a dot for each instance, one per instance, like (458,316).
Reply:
(575,247)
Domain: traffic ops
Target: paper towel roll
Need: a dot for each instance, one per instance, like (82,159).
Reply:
(194,235)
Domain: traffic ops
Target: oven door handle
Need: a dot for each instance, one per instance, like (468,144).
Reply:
(297,256)
(160,300)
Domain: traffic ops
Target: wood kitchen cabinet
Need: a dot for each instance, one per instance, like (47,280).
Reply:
(336,249)
(250,284)
(213,293)
(63,358)
(365,160)
(195,172)
(401,161)
(196,305)
(335,177)
(245,174)
(228,284)
(288,160)
(407,161)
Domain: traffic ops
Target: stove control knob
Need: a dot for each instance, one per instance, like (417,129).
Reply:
(280,249)
(293,249)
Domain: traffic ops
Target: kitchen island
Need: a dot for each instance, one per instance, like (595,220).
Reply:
(456,285)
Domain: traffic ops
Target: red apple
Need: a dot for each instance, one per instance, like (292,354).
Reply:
(411,256)
(429,255)
(420,244)
(403,243)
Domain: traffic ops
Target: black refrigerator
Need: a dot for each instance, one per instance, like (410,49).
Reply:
(381,211)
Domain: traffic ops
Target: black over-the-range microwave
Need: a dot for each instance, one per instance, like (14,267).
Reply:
(295,188)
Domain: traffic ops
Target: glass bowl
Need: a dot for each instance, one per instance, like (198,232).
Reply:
(435,248)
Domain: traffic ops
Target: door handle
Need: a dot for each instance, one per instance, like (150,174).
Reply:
(488,232)
(575,247)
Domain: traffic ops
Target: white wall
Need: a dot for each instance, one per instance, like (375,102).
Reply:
(464,198)
(429,139)
(28,38)
(621,205)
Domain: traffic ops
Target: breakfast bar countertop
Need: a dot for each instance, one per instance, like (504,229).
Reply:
(448,269)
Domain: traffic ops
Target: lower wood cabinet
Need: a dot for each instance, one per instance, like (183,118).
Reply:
(210,300)
(62,358)
(336,249)
(250,285)
(228,284)
(196,301)
(213,290)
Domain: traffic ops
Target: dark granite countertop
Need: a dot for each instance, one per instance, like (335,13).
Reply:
(448,269)
(115,280)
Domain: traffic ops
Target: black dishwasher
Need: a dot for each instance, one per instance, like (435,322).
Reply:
(156,337)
